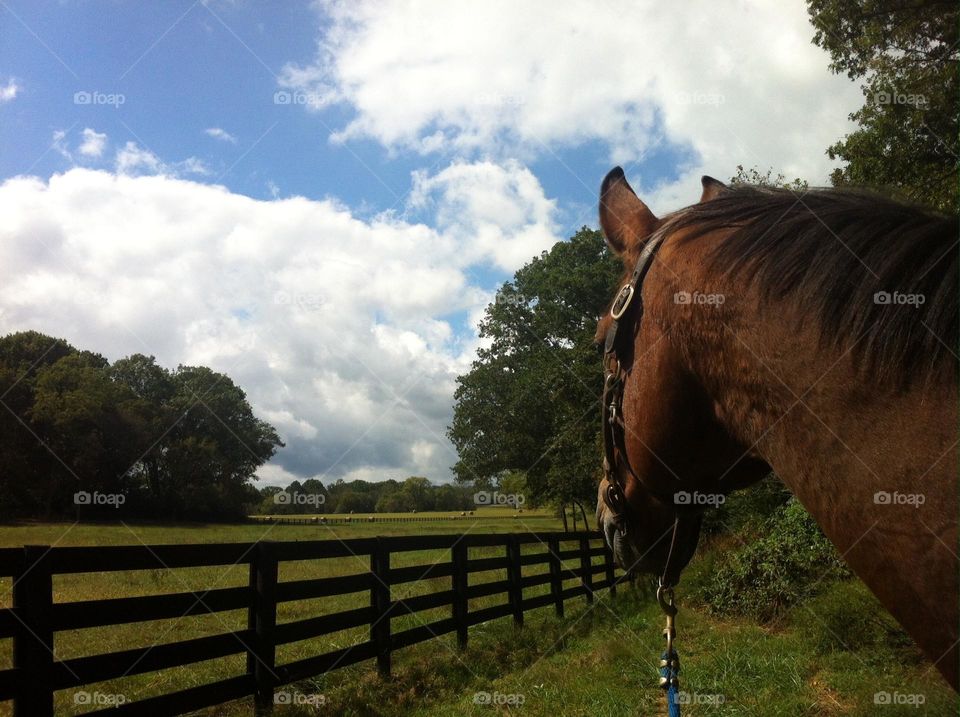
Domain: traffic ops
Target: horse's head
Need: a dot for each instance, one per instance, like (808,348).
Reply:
(665,447)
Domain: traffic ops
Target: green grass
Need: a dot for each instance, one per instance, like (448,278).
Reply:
(484,512)
(596,661)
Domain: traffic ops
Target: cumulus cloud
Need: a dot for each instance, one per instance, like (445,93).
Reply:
(9,91)
(339,329)
(93,143)
(732,87)
(495,211)
(220,134)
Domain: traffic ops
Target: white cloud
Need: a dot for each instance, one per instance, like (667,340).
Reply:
(221,134)
(337,328)
(496,211)
(58,142)
(733,87)
(9,91)
(93,143)
(194,165)
(133,159)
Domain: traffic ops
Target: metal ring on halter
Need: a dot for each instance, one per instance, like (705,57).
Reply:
(626,296)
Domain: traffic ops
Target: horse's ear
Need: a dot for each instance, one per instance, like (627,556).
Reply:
(712,188)
(626,221)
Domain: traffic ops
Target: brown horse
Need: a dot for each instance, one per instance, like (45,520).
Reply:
(809,333)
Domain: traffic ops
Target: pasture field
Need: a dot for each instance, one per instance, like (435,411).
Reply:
(596,661)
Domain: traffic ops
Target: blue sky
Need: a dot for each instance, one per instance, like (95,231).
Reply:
(321,198)
(183,67)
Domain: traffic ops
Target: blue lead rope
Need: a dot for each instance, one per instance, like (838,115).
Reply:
(669,660)
(670,681)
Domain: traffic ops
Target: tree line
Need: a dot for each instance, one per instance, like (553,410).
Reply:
(81,437)
(416,494)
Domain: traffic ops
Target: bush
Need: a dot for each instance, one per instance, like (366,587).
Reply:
(748,508)
(790,561)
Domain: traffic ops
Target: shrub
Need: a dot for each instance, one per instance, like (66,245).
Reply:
(788,562)
(747,508)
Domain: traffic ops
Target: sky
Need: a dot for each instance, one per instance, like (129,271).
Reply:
(320,199)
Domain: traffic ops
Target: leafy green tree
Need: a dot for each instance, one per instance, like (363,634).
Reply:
(352,501)
(449,497)
(420,493)
(395,501)
(214,447)
(183,444)
(150,416)
(767,179)
(905,52)
(29,471)
(530,401)
(78,414)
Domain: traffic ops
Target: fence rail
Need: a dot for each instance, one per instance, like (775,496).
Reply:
(34,619)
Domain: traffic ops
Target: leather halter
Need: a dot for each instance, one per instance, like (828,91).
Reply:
(626,308)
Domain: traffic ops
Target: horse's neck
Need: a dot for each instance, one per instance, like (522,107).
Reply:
(875,466)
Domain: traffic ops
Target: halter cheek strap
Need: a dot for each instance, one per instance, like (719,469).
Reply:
(615,461)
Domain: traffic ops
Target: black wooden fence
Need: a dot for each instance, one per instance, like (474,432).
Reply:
(35,619)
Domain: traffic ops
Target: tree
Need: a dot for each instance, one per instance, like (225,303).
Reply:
(420,493)
(352,501)
(394,501)
(215,446)
(449,497)
(767,179)
(79,415)
(906,53)
(531,400)
(182,444)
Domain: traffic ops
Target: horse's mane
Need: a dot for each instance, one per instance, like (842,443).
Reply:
(833,250)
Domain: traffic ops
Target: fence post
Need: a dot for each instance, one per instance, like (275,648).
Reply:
(556,581)
(608,563)
(459,558)
(33,643)
(263,574)
(514,574)
(380,602)
(586,568)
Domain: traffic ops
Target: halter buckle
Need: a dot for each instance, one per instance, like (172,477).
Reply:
(622,302)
